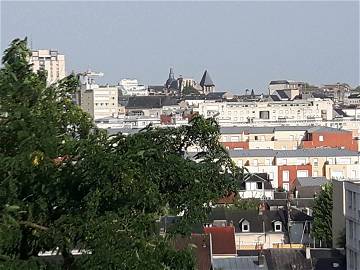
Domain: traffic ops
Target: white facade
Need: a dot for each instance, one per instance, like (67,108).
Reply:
(132,88)
(51,61)
(352,217)
(256,190)
(267,111)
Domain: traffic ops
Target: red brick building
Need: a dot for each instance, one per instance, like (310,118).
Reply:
(329,137)
(287,174)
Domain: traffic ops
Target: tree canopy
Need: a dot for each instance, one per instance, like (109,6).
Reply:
(66,185)
(322,213)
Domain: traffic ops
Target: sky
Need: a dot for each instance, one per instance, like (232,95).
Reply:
(241,44)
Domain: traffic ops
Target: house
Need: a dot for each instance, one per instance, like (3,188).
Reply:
(253,229)
(256,185)
(309,187)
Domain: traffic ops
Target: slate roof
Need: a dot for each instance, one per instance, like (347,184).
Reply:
(244,262)
(310,152)
(149,102)
(287,259)
(311,181)
(255,220)
(263,130)
(206,80)
(125,131)
(279,82)
(275,98)
(222,239)
(326,129)
(282,94)
(328,259)
(340,112)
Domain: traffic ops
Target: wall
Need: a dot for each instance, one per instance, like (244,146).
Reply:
(293,169)
(242,240)
(331,139)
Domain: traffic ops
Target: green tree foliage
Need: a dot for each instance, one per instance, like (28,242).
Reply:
(322,213)
(66,185)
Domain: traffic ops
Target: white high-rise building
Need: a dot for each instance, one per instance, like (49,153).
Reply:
(51,61)
(132,88)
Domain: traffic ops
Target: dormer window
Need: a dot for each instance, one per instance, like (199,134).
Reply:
(245,226)
(277,226)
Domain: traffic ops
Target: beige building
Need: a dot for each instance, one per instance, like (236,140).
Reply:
(51,61)
(100,101)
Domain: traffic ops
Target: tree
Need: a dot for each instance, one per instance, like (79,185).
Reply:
(65,185)
(322,213)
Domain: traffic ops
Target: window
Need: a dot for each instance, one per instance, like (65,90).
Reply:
(315,174)
(259,185)
(286,186)
(315,162)
(321,138)
(286,176)
(245,226)
(267,161)
(277,226)
(302,173)
(255,162)
(256,138)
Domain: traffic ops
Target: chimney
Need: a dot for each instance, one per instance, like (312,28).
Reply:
(261,260)
(307,253)
(262,208)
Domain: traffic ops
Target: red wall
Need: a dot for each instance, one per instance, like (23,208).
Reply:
(292,173)
(332,139)
(232,145)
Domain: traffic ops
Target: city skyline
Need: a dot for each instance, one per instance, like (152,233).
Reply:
(241,44)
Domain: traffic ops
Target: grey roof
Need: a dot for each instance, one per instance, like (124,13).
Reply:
(282,94)
(256,221)
(263,130)
(279,82)
(125,131)
(311,152)
(311,181)
(316,152)
(327,259)
(326,129)
(340,112)
(206,80)
(149,102)
(243,262)
(274,97)
(284,259)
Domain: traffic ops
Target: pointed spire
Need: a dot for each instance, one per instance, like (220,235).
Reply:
(252,93)
(206,80)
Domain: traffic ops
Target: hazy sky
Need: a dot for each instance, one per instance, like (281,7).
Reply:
(242,44)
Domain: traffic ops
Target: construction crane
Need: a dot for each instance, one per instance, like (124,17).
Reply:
(87,77)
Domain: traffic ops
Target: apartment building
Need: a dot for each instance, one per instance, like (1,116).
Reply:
(287,138)
(352,219)
(51,61)
(284,166)
(266,111)
(99,101)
